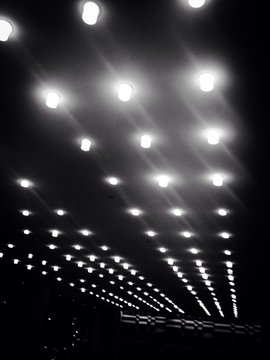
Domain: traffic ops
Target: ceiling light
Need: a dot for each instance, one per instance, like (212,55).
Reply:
(227,252)
(77,247)
(124,92)
(194,251)
(213,137)
(208,283)
(104,248)
(175,268)
(163,181)
(229,264)
(5,30)
(80,263)
(135,212)
(120,277)
(60,212)
(196,3)
(126,266)
(44,272)
(85,232)
(141,277)
(111,271)
(55,268)
(11,246)
(198,262)
(150,233)
(207,82)
(170,261)
(25,212)
(52,99)
(202,270)
(68,257)
(179,274)
(102,265)
(16,261)
(186,234)
(43,262)
(218,179)
(85,144)
(204,276)
(30,256)
(222,212)
(90,270)
(225,235)
(146,141)
(117,259)
(26,231)
(29,267)
(177,212)
(91,12)
(112,180)
(55,233)
(25,183)
(162,249)
(92,258)
(133,272)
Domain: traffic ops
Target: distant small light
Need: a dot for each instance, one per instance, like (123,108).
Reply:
(102,265)
(111,271)
(146,141)
(68,257)
(82,280)
(60,212)
(175,268)
(124,92)
(151,233)
(162,250)
(225,235)
(135,212)
(85,145)
(231,278)
(117,259)
(5,30)
(80,263)
(149,284)
(120,277)
(1,254)
(85,232)
(11,246)
(16,261)
(231,283)
(55,233)
(227,252)
(194,251)
(126,266)
(179,274)
(198,262)
(202,270)
(59,279)
(29,267)
(112,180)
(25,183)
(52,246)
(71,284)
(189,287)
(185,280)
(205,276)
(77,247)
(25,212)
(55,268)
(222,212)
(207,82)
(218,179)
(44,272)
(141,277)
(26,231)
(92,258)
(91,12)
(133,272)
(163,181)
(207,283)
(213,137)
(43,262)
(30,256)
(170,261)
(177,212)
(90,270)
(229,271)
(104,248)
(229,264)
(52,99)
(186,234)
(83,289)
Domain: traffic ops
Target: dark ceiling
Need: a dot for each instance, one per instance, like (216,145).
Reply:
(159,47)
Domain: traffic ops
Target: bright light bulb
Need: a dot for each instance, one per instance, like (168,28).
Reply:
(196,3)
(126,266)
(117,259)
(170,261)
(218,179)
(104,248)
(43,262)
(52,99)
(186,234)
(113,181)
(222,212)
(225,235)
(162,250)
(198,262)
(227,252)
(85,232)
(135,212)
(52,246)
(55,233)
(11,246)
(77,247)
(68,257)
(151,233)
(80,264)
(207,82)
(102,265)
(29,267)
(213,137)
(85,144)
(5,30)
(111,271)
(133,272)
(55,268)
(229,264)
(92,258)
(175,268)
(146,141)
(25,183)
(163,181)
(179,274)
(177,212)
(124,92)
(91,12)
(194,251)
(30,256)
(26,212)
(16,261)
(120,277)
(26,231)
(60,212)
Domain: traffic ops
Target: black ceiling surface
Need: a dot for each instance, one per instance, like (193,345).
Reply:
(159,47)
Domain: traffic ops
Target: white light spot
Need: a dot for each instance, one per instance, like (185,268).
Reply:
(124,92)
(170,261)
(227,252)
(55,233)
(30,256)
(25,212)
(194,251)
(16,261)
(207,82)
(85,232)
(146,141)
(163,181)
(218,179)
(52,99)
(196,3)
(85,145)
(11,246)
(91,12)
(198,262)
(29,267)
(5,30)
(112,180)
(80,263)
(26,231)
(117,259)
(68,257)
(60,212)
(225,235)
(151,233)
(213,137)
(186,234)
(104,248)
(162,250)
(77,247)
(135,212)
(25,183)
(177,212)
(92,258)
(222,212)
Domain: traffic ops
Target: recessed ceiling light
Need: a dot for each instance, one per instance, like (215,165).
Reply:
(222,212)
(213,136)
(43,262)
(124,92)
(104,248)
(117,259)
(55,268)
(80,263)
(55,233)
(196,3)
(218,179)
(52,99)
(85,232)
(135,212)
(227,252)
(26,231)
(225,235)
(151,233)
(162,249)
(52,246)
(91,12)
(16,261)
(177,212)
(170,261)
(113,180)
(25,212)
(68,257)
(198,262)
(92,257)
(133,272)
(186,234)
(60,212)
(11,246)
(229,264)
(146,141)
(5,29)
(126,266)
(77,247)
(30,256)
(163,181)
(194,251)
(207,82)
(29,267)
(85,145)
(25,183)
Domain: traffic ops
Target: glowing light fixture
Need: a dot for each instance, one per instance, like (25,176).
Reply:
(5,30)
(146,141)
(104,248)
(196,3)
(227,252)
(25,212)
(112,180)
(198,262)
(26,231)
(207,82)
(52,99)
(55,233)
(25,183)
(222,212)
(52,246)
(77,247)
(163,181)
(225,235)
(85,145)
(194,251)
(91,12)
(151,233)
(213,137)
(177,212)
(135,212)
(60,212)
(117,259)
(162,250)
(218,179)
(170,261)
(92,258)
(85,232)
(68,257)
(186,234)
(124,92)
